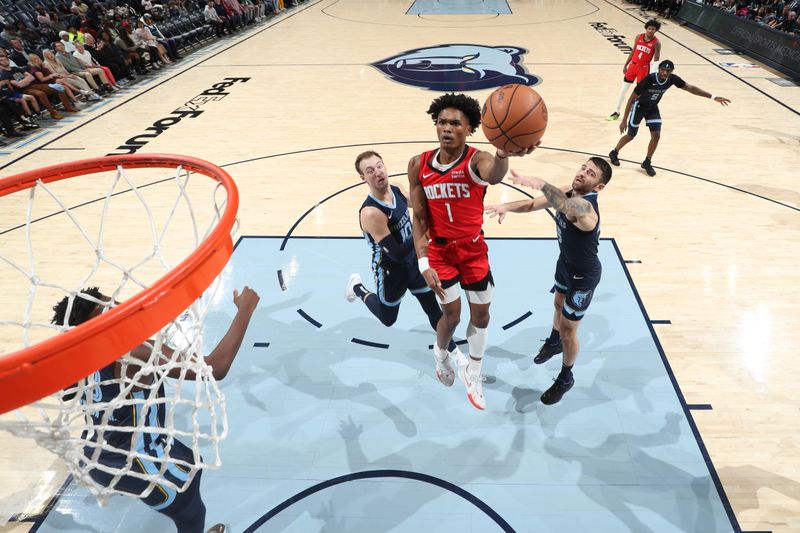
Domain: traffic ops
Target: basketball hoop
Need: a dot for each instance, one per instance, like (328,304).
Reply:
(63,359)
(168,309)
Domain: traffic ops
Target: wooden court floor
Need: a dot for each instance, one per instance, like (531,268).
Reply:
(712,238)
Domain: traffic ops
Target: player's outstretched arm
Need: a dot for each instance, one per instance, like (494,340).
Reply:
(221,357)
(705,94)
(519,206)
(223,354)
(578,211)
(500,210)
(492,168)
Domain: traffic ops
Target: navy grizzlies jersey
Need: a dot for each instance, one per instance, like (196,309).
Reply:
(578,247)
(124,416)
(651,89)
(399,228)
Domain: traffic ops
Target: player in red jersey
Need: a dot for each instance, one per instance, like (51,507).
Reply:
(646,50)
(447,187)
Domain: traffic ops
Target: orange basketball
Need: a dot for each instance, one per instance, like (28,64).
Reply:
(514,117)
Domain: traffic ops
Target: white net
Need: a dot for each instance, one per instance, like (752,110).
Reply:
(151,419)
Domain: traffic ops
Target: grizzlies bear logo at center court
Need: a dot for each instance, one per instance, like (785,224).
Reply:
(458,67)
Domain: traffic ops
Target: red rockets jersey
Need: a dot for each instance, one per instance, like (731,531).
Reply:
(455,196)
(644,50)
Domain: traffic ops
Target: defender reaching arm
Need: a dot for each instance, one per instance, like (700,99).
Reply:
(519,206)
(577,210)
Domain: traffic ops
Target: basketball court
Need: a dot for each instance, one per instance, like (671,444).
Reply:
(683,414)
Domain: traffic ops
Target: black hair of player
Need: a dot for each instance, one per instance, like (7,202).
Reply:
(466,104)
(81,308)
(364,155)
(605,168)
(654,23)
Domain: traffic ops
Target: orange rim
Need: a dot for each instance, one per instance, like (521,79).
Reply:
(44,368)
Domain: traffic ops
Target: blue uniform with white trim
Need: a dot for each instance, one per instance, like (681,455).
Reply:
(393,278)
(650,91)
(183,507)
(578,269)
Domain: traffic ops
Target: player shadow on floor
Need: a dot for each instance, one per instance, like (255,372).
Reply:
(594,350)
(643,481)
(313,371)
(474,460)
(310,371)
(756,478)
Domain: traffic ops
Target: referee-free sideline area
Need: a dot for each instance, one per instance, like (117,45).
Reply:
(342,420)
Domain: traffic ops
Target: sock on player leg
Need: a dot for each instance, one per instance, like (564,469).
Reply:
(441,353)
(566,373)
(476,338)
(623,90)
(360,290)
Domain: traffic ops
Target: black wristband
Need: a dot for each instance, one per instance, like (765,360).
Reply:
(500,156)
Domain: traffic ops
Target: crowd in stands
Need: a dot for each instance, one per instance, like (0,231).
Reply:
(778,14)
(665,9)
(59,57)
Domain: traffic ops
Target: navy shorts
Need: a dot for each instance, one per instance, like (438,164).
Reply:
(578,288)
(392,282)
(179,506)
(651,116)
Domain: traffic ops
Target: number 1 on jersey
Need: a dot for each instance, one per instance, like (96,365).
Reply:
(449,212)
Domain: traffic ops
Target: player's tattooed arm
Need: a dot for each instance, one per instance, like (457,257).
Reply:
(572,207)
(577,210)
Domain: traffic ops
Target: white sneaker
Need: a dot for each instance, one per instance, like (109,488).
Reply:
(444,372)
(474,388)
(349,291)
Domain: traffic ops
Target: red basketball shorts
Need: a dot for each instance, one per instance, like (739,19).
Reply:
(464,260)
(637,72)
